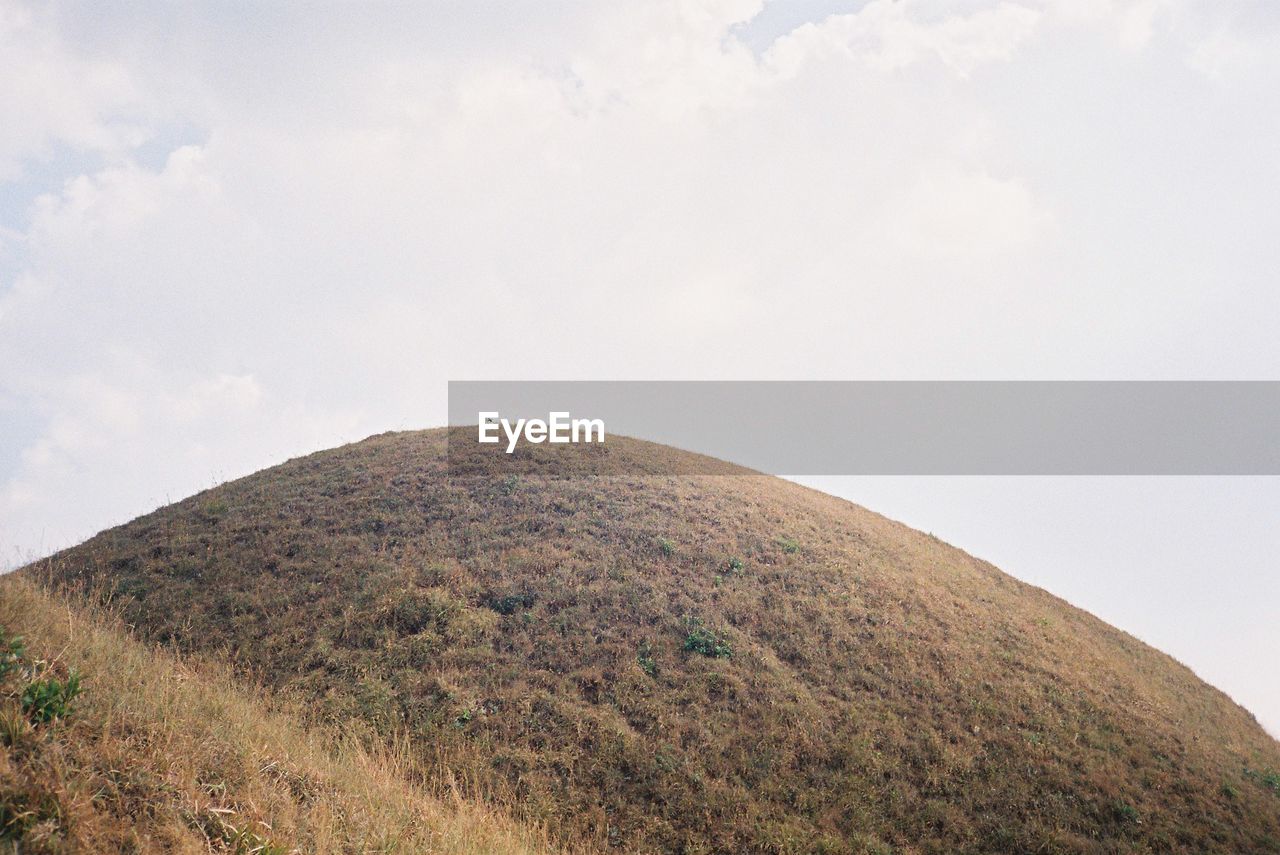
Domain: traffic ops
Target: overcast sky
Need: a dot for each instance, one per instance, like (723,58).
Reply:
(236,233)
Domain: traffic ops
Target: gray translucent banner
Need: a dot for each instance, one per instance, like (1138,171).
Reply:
(915,428)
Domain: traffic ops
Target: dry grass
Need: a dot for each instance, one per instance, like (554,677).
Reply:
(164,755)
(692,664)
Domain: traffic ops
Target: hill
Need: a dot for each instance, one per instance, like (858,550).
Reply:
(695,663)
(161,754)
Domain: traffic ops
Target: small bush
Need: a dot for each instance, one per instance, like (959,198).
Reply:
(666,547)
(789,545)
(735,565)
(704,641)
(49,698)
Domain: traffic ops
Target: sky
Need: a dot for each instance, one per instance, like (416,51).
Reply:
(232,233)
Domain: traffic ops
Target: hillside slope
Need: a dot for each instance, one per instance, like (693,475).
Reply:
(696,663)
(161,755)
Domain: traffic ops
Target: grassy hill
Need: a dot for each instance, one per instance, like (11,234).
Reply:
(162,754)
(702,663)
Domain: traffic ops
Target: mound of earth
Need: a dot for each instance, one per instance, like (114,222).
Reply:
(696,663)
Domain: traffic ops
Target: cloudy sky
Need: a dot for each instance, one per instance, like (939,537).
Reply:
(234,233)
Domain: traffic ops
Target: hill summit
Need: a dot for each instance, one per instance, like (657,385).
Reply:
(696,663)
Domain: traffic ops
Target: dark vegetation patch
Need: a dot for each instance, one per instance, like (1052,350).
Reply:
(509,604)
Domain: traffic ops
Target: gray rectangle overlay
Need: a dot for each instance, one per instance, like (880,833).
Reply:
(921,428)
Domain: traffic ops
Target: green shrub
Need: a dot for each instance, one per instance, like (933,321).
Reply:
(789,545)
(666,547)
(736,565)
(704,641)
(48,698)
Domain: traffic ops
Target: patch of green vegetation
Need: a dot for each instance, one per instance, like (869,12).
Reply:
(666,547)
(512,603)
(1269,779)
(1125,813)
(735,565)
(644,658)
(44,697)
(48,698)
(704,641)
(11,652)
(789,545)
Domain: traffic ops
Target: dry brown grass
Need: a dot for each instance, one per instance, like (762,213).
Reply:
(530,635)
(165,755)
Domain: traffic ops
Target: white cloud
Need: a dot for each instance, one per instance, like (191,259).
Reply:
(1229,51)
(968,215)
(377,203)
(887,35)
(1129,24)
(215,397)
(54,97)
(133,435)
